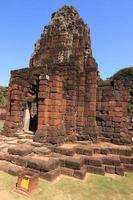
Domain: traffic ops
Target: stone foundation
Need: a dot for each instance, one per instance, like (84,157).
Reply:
(71,159)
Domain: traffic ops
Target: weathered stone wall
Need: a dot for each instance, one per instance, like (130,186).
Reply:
(112,111)
(63,96)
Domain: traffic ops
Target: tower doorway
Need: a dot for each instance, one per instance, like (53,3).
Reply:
(31,109)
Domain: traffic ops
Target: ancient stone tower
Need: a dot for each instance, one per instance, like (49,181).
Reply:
(60,97)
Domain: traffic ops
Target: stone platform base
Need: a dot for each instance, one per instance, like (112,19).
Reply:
(72,159)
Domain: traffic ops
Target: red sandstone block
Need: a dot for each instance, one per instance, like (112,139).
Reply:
(54,108)
(110,169)
(108,129)
(80,123)
(43,88)
(65,151)
(80,109)
(62,108)
(126,152)
(52,175)
(96,170)
(43,82)
(55,102)
(80,174)
(48,102)
(41,115)
(73,163)
(105,104)
(21,150)
(41,108)
(56,89)
(126,160)
(69,117)
(55,122)
(41,121)
(84,151)
(117,130)
(94,161)
(115,114)
(55,96)
(41,102)
(119,170)
(111,160)
(66,171)
(128,167)
(55,115)
(15,108)
(15,113)
(117,119)
(112,103)
(70,103)
(15,119)
(118,109)
(43,94)
(91,113)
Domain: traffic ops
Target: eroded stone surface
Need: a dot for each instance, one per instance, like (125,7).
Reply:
(21,150)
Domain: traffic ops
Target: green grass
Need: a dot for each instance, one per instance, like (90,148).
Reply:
(1,124)
(94,188)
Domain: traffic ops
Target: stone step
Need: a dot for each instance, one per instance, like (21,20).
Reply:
(26,136)
(65,151)
(66,171)
(93,161)
(42,150)
(128,167)
(84,150)
(111,169)
(71,162)
(21,149)
(113,150)
(74,160)
(43,165)
(96,170)
(80,174)
(51,169)
(111,160)
(51,175)
(29,133)
(17,134)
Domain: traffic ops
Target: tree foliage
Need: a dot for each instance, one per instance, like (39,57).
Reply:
(3,96)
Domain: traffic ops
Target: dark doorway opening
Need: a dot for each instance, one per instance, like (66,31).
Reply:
(33,116)
(33,106)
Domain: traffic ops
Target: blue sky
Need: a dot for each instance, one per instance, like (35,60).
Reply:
(110,22)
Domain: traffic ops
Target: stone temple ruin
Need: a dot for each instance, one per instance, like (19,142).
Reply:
(63,116)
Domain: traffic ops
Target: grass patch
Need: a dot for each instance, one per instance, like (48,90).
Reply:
(95,188)
(1,124)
